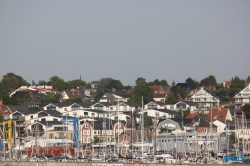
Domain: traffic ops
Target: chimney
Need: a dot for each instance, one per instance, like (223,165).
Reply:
(219,108)
(1,102)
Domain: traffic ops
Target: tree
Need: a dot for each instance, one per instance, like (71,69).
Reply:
(248,79)
(42,83)
(73,84)
(141,90)
(1,118)
(209,81)
(192,83)
(246,110)
(51,98)
(164,83)
(57,83)
(236,86)
(171,98)
(165,129)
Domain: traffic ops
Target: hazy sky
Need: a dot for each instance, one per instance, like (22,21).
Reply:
(124,40)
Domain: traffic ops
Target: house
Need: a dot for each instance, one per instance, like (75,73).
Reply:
(155,105)
(41,89)
(204,126)
(104,106)
(209,88)
(177,125)
(185,105)
(114,97)
(160,113)
(51,129)
(159,97)
(166,89)
(32,103)
(243,97)
(61,107)
(4,110)
(104,129)
(157,89)
(227,84)
(220,114)
(205,99)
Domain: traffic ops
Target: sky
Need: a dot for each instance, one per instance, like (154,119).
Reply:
(125,40)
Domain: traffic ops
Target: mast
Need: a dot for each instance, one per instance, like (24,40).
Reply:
(142,127)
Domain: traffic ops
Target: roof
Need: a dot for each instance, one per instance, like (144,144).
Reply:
(159,95)
(167,111)
(205,123)
(84,105)
(218,114)
(191,103)
(75,93)
(157,89)
(50,123)
(131,104)
(228,83)
(124,95)
(60,104)
(191,116)
(210,88)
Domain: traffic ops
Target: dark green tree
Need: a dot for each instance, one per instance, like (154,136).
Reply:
(141,90)
(192,83)
(73,84)
(165,129)
(42,83)
(236,86)
(246,110)
(209,81)
(248,79)
(171,98)
(51,98)
(57,83)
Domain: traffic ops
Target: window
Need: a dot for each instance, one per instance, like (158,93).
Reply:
(31,116)
(84,132)
(51,135)
(65,109)
(86,125)
(75,114)
(88,132)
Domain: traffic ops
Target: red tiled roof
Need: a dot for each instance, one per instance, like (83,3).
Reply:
(191,116)
(218,114)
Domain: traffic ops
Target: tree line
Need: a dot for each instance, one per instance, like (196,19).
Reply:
(11,81)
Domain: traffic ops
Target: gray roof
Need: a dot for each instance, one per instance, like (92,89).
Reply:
(167,111)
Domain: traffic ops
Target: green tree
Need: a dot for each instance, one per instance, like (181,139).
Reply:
(51,98)
(236,86)
(141,90)
(209,81)
(1,118)
(192,83)
(73,84)
(171,98)
(57,83)
(42,83)
(165,129)
(248,79)
(246,110)
(148,122)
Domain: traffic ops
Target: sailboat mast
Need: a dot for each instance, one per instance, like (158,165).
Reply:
(142,126)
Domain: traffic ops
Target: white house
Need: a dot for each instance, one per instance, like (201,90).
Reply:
(243,97)
(205,99)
